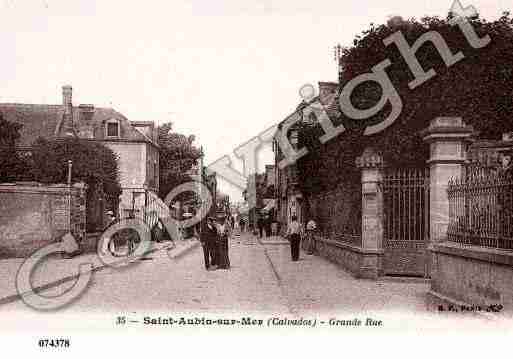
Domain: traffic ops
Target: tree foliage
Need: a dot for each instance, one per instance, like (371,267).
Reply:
(92,163)
(177,156)
(479,88)
(12,166)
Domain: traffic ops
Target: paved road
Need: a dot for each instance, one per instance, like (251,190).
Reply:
(262,281)
(183,285)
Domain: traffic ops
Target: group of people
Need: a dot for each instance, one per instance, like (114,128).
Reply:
(295,233)
(214,240)
(216,233)
(264,225)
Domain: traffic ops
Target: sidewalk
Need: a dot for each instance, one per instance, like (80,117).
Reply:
(315,285)
(262,282)
(272,240)
(55,271)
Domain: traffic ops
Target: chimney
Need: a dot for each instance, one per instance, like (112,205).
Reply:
(67,102)
(67,97)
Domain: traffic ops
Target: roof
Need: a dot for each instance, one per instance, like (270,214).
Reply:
(328,97)
(37,120)
(46,121)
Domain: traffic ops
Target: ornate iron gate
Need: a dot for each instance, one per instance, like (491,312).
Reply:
(406,221)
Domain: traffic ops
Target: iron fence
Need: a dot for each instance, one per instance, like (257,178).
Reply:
(405,221)
(154,209)
(481,209)
(406,207)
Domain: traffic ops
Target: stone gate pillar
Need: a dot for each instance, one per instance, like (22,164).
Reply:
(371,165)
(447,138)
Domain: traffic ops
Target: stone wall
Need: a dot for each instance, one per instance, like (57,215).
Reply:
(471,276)
(349,220)
(360,262)
(33,215)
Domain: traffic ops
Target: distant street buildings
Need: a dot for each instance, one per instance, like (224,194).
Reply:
(260,196)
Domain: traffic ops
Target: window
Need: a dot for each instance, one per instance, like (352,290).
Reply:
(112,128)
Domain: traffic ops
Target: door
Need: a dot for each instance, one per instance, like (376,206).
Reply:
(406,222)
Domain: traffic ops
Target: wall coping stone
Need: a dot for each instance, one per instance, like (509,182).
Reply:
(445,161)
(48,189)
(447,128)
(369,159)
(484,254)
(350,247)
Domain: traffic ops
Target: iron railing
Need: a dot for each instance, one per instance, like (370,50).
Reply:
(406,207)
(154,209)
(149,210)
(481,209)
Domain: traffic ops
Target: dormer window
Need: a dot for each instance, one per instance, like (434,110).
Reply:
(112,128)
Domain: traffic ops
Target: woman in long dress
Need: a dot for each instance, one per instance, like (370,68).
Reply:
(223,232)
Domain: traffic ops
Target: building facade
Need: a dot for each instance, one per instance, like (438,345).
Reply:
(288,196)
(135,143)
(289,200)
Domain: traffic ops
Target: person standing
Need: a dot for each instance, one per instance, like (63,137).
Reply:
(111,220)
(260,225)
(267,225)
(208,241)
(241,224)
(294,237)
(311,226)
(232,223)
(223,232)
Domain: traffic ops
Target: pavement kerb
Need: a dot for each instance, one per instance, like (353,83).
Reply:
(14,297)
(275,242)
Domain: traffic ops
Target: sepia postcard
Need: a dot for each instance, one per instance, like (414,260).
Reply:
(249,178)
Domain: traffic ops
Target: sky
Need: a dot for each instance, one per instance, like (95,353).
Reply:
(223,70)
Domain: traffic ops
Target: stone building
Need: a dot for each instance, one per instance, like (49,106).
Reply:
(289,200)
(253,197)
(135,143)
(288,195)
(269,177)
(269,192)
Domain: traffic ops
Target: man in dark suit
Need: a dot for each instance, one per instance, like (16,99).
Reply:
(260,224)
(209,243)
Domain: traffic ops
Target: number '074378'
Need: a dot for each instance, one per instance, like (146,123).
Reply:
(54,343)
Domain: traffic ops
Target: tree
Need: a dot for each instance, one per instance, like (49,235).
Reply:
(12,166)
(479,88)
(177,156)
(93,163)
